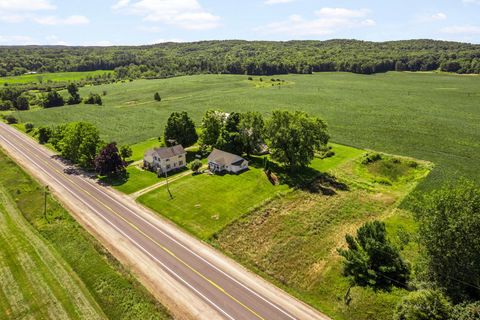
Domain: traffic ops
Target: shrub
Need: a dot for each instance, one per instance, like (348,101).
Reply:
(157,97)
(94,98)
(423,305)
(126,152)
(6,105)
(44,134)
(29,126)
(466,311)
(250,78)
(371,157)
(412,164)
(195,165)
(10,119)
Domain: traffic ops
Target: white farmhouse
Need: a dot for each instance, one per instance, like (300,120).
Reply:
(221,161)
(162,160)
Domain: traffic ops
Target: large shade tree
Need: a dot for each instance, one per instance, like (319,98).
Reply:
(180,129)
(212,124)
(251,131)
(77,142)
(293,137)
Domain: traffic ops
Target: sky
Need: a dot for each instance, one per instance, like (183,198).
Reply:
(138,22)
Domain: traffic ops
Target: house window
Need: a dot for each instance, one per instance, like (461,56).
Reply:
(179,156)
(180,163)
(168,167)
(167,160)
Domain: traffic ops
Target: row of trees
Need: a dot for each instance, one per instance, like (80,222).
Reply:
(292,137)
(80,143)
(447,284)
(246,57)
(53,99)
(20,98)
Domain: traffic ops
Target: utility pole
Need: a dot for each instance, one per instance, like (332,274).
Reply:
(168,187)
(45,193)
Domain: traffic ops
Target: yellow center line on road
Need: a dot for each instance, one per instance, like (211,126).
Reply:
(151,239)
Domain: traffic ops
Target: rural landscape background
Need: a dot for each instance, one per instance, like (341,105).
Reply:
(362,193)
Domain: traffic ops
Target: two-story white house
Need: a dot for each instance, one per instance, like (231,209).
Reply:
(162,160)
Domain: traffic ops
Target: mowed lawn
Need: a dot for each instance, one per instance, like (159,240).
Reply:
(427,116)
(138,179)
(54,77)
(35,283)
(203,204)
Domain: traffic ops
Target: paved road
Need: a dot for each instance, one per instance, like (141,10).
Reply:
(230,295)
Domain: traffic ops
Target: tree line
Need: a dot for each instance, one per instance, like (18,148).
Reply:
(291,138)
(246,57)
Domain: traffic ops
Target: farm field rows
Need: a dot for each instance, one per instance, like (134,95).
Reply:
(427,116)
(89,280)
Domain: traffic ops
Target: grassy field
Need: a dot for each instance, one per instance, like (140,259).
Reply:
(35,282)
(52,77)
(292,240)
(117,293)
(426,116)
(203,204)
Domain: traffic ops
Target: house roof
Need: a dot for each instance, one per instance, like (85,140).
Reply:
(164,153)
(224,158)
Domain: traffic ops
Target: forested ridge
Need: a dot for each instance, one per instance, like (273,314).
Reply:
(245,57)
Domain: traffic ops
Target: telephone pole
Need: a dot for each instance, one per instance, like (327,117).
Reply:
(45,193)
(168,187)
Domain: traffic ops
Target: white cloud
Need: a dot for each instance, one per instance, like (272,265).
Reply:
(439,16)
(328,21)
(341,13)
(25,5)
(16,40)
(185,14)
(54,21)
(471,1)
(277,1)
(467,30)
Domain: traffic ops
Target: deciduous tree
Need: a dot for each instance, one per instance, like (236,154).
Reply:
(212,124)
(371,260)
(108,162)
(180,129)
(293,137)
(449,222)
(251,131)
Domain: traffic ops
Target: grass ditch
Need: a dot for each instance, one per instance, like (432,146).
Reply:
(113,287)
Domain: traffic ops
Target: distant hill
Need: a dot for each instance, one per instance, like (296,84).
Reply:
(245,57)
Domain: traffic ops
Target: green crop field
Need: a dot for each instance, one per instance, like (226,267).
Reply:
(426,116)
(52,77)
(51,268)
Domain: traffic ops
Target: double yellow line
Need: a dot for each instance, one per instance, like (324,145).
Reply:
(151,239)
